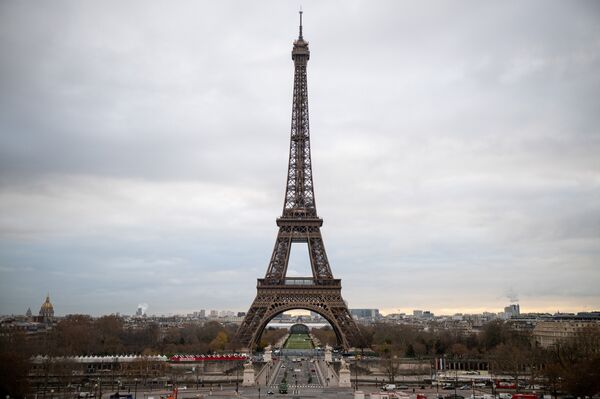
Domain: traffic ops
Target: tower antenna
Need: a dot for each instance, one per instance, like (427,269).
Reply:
(300,12)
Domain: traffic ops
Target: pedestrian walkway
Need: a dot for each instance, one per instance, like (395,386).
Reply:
(313,386)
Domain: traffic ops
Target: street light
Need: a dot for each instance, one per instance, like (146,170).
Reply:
(455,379)
(356,373)
(135,390)
(237,376)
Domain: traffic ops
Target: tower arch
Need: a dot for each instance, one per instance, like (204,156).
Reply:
(336,329)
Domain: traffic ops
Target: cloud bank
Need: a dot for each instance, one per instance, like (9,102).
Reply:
(143,152)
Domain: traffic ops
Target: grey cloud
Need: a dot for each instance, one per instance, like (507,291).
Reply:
(143,150)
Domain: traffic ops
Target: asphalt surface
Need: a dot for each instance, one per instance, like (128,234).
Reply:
(299,372)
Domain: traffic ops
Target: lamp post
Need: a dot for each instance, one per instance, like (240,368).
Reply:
(455,379)
(135,390)
(356,373)
(237,376)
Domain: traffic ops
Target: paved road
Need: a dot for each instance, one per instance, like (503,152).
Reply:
(300,374)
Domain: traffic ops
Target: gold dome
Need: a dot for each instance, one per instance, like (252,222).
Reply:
(47,308)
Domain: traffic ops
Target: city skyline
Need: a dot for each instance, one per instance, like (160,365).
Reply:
(147,309)
(143,153)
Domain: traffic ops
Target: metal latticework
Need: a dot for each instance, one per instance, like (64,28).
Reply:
(299,194)
(299,222)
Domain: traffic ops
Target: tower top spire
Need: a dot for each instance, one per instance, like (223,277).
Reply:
(300,45)
(300,35)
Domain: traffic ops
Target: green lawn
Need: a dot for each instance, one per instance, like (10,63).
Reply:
(298,341)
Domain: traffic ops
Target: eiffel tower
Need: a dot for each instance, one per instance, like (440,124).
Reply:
(299,222)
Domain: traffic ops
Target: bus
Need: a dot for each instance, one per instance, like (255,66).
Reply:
(283,387)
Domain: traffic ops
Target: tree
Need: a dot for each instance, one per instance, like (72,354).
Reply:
(271,336)
(510,359)
(391,366)
(493,334)
(108,332)
(458,350)
(325,335)
(574,364)
(410,351)
(366,336)
(220,341)
(14,369)
(74,335)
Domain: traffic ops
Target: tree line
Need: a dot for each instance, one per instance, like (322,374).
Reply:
(572,366)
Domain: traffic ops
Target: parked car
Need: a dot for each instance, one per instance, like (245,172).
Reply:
(389,387)
(535,387)
(453,396)
(525,396)
(484,396)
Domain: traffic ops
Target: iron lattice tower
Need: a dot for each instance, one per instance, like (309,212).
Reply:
(299,222)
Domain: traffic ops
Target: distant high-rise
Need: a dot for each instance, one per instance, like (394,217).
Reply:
(226,313)
(371,314)
(512,310)
(422,314)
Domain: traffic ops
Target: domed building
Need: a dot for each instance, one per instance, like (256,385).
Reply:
(47,311)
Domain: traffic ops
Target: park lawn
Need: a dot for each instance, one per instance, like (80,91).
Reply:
(298,341)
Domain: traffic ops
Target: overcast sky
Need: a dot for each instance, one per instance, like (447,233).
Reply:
(144,148)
